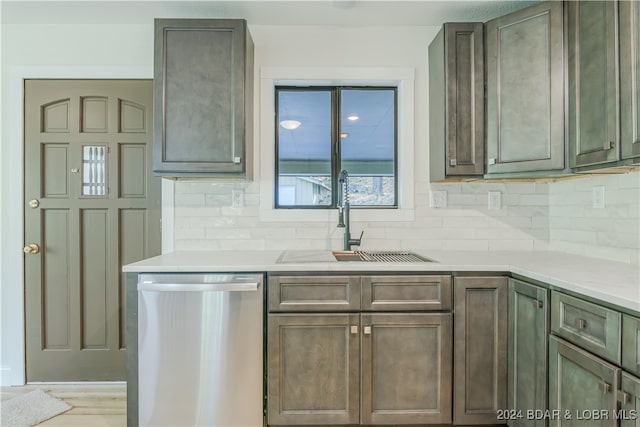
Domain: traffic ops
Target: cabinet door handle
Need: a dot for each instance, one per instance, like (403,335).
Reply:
(581,323)
(624,397)
(605,387)
(537,303)
(367,330)
(354,329)
(609,145)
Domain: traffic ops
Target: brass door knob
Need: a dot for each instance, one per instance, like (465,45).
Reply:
(31,248)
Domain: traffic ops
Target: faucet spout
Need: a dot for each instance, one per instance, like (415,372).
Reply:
(344,210)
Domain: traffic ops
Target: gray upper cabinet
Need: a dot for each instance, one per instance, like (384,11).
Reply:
(629,79)
(203,98)
(525,90)
(456,101)
(593,80)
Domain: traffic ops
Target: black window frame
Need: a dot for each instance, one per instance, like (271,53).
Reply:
(336,154)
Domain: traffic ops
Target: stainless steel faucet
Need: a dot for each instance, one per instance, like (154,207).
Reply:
(343,211)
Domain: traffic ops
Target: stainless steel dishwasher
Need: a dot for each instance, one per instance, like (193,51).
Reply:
(200,350)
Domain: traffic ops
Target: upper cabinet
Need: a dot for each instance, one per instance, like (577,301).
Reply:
(593,82)
(203,98)
(456,101)
(525,90)
(629,79)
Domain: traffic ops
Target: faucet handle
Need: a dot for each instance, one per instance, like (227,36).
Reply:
(358,240)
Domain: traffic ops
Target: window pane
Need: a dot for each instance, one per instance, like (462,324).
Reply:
(93,170)
(368,145)
(304,147)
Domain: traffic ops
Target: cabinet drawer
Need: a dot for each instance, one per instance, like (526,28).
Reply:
(631,344)
(394,293)
(314,293)
(588,325)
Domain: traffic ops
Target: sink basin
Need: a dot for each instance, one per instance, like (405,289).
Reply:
(379,256)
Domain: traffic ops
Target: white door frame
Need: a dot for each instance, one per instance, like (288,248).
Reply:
(12,347)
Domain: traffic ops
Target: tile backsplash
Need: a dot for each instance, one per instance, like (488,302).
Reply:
(531,215)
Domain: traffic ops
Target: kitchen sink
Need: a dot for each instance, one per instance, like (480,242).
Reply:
(379,256)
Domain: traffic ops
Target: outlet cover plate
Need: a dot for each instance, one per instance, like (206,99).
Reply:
(438,199)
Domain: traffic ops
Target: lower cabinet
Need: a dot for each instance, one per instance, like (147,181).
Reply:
(528,342)
(630,407)
(378,368)
(313,369)
(582,387)
(406,368)
(480,349)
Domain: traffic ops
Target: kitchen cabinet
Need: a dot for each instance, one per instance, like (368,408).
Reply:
(525,90)
(203,98)
(591,326)
(630,401)
(629,79)
(631,344)
(572,369)
(479,349)
(593,82)
(359,367)
(528,342)
(313,369)
(456,101)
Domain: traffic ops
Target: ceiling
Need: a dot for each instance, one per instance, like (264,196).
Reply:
(261,12)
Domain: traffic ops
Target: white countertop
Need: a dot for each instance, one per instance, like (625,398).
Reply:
(613,282)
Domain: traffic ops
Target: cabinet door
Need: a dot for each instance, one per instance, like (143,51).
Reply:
(580,385)
(480,349)
(203,81)
(406,368)
(525,90)
(629,414)
(313,369)
(630,78)
(631,344)
(528,332)
(456,101)
(593,77)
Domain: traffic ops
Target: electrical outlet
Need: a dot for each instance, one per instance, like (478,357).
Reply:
(438,199)
(598,197)
(237,198)
(495,200)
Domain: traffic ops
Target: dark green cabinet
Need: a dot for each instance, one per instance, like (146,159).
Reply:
(479,349)
(629,79)
(580,385)
(528,342)
(593,82)
(456,101)
(203,98)
(630,401)
(631,344)
(525,90)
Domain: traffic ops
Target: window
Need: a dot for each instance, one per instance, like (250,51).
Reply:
(323,130)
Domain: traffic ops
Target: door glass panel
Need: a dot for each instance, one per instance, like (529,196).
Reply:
(94,170)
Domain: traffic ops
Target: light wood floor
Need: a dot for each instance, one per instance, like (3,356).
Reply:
(92,404)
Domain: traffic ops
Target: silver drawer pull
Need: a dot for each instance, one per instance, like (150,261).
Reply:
(605,387)
(581,323)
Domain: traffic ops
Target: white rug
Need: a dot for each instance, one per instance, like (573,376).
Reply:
(30,409)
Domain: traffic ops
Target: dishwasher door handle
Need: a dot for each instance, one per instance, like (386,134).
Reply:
(199,287)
